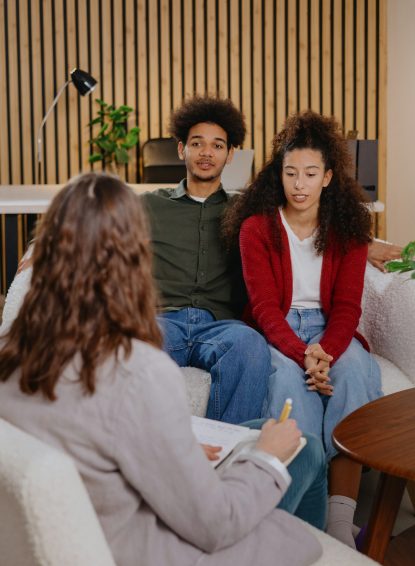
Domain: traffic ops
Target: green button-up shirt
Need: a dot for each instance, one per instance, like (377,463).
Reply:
(191,265)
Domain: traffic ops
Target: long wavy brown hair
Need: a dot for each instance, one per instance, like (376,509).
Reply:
(341,211)
(91,290)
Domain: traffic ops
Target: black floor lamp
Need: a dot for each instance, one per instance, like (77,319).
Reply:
(84,84)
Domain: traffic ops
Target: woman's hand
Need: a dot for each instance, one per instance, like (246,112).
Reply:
(317,364)
(317,352)
(319,381)
(211,451)
(279,439)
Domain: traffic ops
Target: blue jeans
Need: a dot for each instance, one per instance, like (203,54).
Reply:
(236,356)
(355,377)
(307,495)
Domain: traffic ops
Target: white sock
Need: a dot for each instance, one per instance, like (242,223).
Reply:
(340,519)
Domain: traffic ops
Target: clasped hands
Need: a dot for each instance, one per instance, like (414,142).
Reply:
(317,364)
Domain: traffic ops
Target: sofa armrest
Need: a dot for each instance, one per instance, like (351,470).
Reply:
(388,317)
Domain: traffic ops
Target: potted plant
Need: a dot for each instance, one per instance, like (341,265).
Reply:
(113,141)
(407,263)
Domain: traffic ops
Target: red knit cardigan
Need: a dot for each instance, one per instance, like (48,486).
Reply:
(269,281)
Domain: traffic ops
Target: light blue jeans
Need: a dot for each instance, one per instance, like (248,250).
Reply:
(355,378)
(236,356)
(307,495)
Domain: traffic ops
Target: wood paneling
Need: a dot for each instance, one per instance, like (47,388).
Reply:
(271,57)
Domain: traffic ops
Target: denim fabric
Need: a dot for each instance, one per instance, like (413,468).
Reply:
(306,497)
(236,356)
(355,378)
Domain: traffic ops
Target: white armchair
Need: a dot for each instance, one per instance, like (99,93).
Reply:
(47,518)
(46,515)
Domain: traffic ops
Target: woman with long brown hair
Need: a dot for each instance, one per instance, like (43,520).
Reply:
(81,368)
(304,230)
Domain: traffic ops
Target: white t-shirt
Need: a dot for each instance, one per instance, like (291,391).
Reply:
(306,267)
(197,199)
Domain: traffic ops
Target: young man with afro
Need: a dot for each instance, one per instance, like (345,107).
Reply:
(200,283)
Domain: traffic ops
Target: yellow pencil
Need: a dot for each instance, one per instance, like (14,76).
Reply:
(286,410)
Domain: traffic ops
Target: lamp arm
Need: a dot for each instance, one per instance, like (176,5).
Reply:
(39,134)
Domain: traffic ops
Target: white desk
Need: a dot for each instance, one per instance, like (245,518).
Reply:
(35,199)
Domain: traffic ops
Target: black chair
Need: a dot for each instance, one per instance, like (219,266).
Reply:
(161,163)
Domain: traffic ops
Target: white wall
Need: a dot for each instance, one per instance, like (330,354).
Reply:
(400,174)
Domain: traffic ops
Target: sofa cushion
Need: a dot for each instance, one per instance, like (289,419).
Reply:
(388,318)
(198,389)
(393,379)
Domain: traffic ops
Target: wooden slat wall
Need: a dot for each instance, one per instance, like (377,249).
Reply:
(271,57)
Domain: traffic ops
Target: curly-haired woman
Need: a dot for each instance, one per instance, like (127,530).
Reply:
(81,368)
(304,232)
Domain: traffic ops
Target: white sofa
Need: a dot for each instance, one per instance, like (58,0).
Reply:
(387,322)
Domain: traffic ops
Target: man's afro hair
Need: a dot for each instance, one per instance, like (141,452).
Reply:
(209,109)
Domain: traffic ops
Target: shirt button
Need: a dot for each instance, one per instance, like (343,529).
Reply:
(202,273)
(196,301)
(203,252)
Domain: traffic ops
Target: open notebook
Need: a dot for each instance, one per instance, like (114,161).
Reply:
(232,438)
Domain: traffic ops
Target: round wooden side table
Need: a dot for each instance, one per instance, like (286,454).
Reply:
(381,435)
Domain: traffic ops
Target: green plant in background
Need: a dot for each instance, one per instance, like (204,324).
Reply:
(113,141)
(407,263)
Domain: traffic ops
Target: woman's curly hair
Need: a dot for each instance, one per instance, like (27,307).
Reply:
(218,111)
(341,212)
(91,290)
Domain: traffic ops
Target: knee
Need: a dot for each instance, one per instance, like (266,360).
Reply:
(314,453)
(286,371)
(248,341)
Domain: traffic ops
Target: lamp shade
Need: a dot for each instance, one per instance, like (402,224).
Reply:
(83,81)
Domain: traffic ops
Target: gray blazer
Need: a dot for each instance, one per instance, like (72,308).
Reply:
(159,500)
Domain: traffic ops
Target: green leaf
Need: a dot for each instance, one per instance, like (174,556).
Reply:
(121,132)
(95,157)
(101,102)
(106,145)
(408,252)
(94,121)
(131,139)
(121,156)
(115,115)
(103,129)
(395,265)
(126,109)
(406,264)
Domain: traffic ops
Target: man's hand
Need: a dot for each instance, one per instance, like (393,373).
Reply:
(379,252)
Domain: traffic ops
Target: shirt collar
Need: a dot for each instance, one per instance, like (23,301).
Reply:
(218,196)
